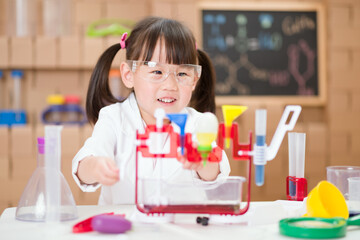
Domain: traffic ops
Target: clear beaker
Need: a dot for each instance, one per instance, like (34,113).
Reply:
(21,18)
(338,175)
(354,195)
(47,196)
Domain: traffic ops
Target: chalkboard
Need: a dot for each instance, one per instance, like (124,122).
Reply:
(264,51)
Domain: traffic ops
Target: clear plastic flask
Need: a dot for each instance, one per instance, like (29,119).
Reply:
(37,203)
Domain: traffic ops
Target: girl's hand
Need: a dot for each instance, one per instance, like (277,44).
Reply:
(98,170)
(190,165)
(209,172)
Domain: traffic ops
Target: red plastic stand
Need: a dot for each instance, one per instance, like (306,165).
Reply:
(193,155)
(300,185)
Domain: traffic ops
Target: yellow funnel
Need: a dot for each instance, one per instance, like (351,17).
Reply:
(326,201)
(230,113)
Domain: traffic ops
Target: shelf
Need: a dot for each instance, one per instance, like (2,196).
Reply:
(52,53)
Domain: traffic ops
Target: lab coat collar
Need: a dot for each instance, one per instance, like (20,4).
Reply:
(133,116)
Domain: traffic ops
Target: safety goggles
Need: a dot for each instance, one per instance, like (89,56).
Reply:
(185,74)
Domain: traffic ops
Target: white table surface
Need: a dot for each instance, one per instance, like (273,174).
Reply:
(261,222)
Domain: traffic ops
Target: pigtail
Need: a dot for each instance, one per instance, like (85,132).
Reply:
(99,94)
(203,97)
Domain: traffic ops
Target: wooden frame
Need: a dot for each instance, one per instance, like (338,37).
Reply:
(315,100)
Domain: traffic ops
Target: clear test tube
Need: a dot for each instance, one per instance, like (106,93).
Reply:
(292,162)
(57,13)
(300,155)
(2,94)
(21,17)
(260,148)
(17,76)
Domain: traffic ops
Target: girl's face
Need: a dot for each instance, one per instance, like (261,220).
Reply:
(150,95)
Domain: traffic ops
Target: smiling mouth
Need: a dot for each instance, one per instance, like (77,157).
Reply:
(166,100)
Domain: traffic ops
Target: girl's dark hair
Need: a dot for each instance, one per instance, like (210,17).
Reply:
(203,97)
(140,45)
(99,94)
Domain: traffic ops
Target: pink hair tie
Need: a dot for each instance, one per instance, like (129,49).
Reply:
(122,41)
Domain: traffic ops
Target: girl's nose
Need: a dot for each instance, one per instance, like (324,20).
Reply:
(170,83)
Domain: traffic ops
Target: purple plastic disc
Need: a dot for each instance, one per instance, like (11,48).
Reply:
(110,224)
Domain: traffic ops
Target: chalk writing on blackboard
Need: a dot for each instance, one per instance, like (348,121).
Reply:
(262,52)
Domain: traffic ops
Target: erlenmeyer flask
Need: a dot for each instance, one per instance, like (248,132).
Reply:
(37,203)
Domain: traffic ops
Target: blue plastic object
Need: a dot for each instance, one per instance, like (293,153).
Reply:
(64,109)
(12,117)
(260,169)
(17,74)
(292,188)
(1,74)
(180,120)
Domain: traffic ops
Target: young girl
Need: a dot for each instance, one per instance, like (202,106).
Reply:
(165,70)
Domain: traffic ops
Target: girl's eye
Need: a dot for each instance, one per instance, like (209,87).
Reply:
(182,74)
(157,72)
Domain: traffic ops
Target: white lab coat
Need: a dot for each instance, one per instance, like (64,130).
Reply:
(114,136)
